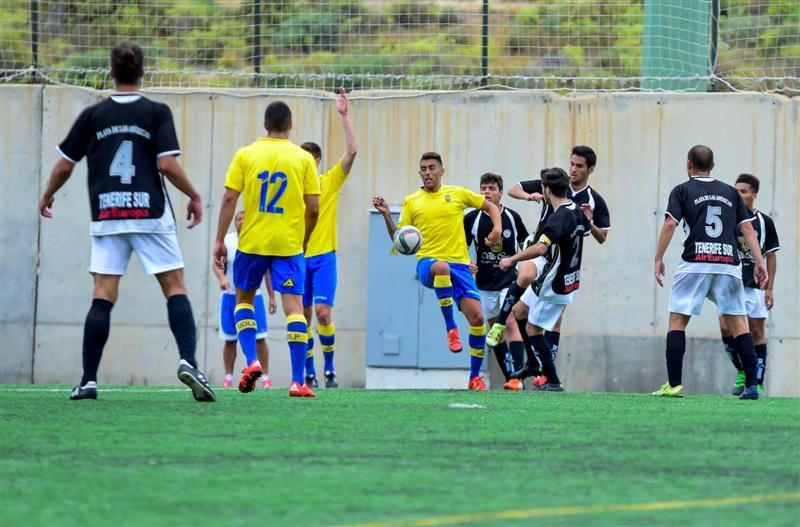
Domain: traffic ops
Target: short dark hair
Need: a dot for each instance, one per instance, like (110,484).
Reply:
(749,179)
(702,158)
(432,155)
(127,63)
(587,153)
(313,149)
(277,117)
(491,177)
(556,180)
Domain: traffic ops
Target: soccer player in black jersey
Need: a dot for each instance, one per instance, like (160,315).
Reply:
(129,142)
(758,302)
(561,245)
(711,211)
(493,282)
(581,165)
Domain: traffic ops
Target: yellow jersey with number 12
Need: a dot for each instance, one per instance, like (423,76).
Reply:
(323,239)
(439,216)
(272,176)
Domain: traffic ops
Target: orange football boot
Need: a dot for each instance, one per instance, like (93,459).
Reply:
(477,384)
(249,377)
(300,390)
(454,341)
(514,385)
(539,381)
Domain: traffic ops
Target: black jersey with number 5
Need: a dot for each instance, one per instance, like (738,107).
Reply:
(563,234)
(122,138)
(711,212)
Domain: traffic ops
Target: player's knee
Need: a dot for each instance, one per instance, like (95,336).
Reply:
(526,274)
(323,315)
(440,268)
(520,311)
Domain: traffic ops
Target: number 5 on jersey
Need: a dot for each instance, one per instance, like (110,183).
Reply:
(268,179)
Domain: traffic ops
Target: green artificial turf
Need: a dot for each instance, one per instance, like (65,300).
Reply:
(143,456)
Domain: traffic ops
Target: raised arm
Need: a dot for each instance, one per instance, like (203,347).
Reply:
(351,147)
(497,223)
(383,207)
(517,192)
(173,171)
(58,176)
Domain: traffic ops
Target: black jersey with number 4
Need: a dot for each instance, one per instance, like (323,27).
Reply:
(477,226)
(122,138)
(768,241)
(711,212)
(587,195)
(563,234)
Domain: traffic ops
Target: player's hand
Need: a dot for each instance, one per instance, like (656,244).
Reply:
(341,102)
(587,211)
(45,204)
(273,306)
(493,240)
(506,263)
(473,267)
(769,299)
(220,254)
(536,196)
(661,270)
(194,211)
(380,204)
(760,275)
(224,284)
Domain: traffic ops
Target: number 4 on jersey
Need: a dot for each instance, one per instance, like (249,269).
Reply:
(122,164)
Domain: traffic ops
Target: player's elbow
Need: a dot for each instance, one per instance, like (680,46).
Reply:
(312,206)
(169,166)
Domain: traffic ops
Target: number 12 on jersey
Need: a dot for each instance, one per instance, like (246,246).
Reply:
(268,179)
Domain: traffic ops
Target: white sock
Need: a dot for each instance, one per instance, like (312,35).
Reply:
(228,376)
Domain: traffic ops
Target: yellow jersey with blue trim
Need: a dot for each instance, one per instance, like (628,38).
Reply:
(439,216)
(324,239)
(273,175)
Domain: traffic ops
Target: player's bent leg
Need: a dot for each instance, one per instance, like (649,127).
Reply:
(727,342)
(471,307)
(526,274)
(244,316)
(443,288)
(327,341)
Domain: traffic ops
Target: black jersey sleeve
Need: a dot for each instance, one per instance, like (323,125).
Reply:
(601,217)
(522,231)
(771,243)
(469,221)
(166,138)
(676,203)
(77,140)
(553,230)
(531,186)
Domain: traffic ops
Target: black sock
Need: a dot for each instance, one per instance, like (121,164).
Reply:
(743,344)
(532,360)
(761,362)
(512,297)
(731,352)
(517,351)
(552,338)
(676,347)
(95,335)
(181,322)
(546,358)
(501,354)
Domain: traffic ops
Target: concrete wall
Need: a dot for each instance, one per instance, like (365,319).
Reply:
(613,335)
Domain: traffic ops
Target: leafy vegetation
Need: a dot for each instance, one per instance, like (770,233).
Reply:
(405,44)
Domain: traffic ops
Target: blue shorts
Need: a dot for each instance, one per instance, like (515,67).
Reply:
(287,273)
(227,326)
(321,279)
(463,281)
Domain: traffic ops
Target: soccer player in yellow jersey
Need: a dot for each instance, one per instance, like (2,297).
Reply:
(280,188)
(320,289)
(443,260)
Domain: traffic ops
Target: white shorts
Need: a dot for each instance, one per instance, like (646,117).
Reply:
(689,291)
(157,252)
(492,301)
(542,313)
(755,303)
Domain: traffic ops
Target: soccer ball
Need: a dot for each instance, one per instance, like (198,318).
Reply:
(407,240)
